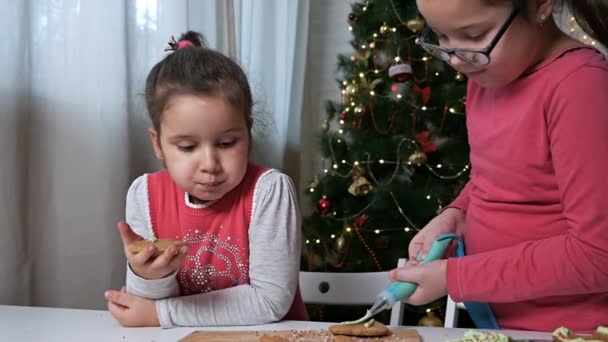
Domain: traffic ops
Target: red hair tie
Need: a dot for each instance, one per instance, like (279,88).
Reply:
(184,43)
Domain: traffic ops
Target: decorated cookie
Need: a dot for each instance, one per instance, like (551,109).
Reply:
(563,334)
(160,244)
(375,329)
(482,336)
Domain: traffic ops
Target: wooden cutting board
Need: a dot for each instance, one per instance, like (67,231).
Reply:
(399,335)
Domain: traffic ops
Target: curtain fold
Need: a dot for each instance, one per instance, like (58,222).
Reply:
(271,41)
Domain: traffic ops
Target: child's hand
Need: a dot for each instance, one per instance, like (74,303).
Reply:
(430,277)
(131,310)
(449,221)
(144,264)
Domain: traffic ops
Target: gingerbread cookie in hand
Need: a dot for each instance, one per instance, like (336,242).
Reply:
(160,244)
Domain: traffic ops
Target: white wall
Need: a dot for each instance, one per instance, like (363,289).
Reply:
(328,36)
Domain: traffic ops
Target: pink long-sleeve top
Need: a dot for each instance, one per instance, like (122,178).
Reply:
(535,205)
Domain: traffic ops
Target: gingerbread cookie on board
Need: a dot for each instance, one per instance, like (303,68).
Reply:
(160,244)
(268,338)
(361,330)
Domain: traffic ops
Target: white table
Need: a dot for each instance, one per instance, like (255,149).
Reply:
(25,323)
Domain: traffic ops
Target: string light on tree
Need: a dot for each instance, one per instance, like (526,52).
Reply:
(383,144)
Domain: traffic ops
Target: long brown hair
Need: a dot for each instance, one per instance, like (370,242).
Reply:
(592,17)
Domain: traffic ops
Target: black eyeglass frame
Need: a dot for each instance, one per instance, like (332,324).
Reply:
(446,53)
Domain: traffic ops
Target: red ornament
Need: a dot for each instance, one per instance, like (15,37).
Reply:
(352,17)
(324,205)
(400,72)
(424,92)
(361,220)
(427,144)
(342,116)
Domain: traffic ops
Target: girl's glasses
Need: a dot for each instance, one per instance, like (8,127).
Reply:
(428,40)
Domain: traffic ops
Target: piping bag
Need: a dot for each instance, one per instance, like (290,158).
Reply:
(400,290)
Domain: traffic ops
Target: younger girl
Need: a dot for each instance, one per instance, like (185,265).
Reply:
(241,221)
(533,215)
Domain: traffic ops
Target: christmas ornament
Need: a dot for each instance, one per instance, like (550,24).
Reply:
(423,91)
(352,88)
(384,28)
(342,116)
(360,186)
(341,244)
(359,112)
(430,320)
(418,158)
(352,17)
(361,220)
(415,25)
(324,125)
(324,205)
(400,72)
(427,144)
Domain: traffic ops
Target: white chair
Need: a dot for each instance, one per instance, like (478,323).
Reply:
(347,289)
(451,313)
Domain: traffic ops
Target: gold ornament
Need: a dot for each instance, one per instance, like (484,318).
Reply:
(430,320)
(417,158)
(340,244)
(415,25)
(324,125)
(384,28)
(352,88)
(360,186)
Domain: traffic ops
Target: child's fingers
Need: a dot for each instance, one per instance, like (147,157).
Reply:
(166,257)
(394,274)
(119,298)
(406,273)
(170,260)
(126,234)
(177,260)
(118,312)
(415,249)
(143,257)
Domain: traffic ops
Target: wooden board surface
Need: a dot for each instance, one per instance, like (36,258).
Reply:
(399,335)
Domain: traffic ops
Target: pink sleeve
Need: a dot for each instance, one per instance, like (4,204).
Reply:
(462,201)
(571,263)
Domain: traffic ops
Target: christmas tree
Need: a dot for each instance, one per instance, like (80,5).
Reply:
(394,146)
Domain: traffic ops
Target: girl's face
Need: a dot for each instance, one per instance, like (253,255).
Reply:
(204,143)
(473,24)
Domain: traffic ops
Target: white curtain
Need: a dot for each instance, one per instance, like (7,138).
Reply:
(274,54)
(73,125)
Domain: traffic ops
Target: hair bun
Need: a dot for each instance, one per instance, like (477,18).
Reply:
(190,38)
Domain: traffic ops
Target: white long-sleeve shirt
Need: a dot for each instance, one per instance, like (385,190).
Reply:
(274,245)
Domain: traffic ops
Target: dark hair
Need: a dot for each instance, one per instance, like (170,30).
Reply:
(589,14)
(592,17)
(196,70)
